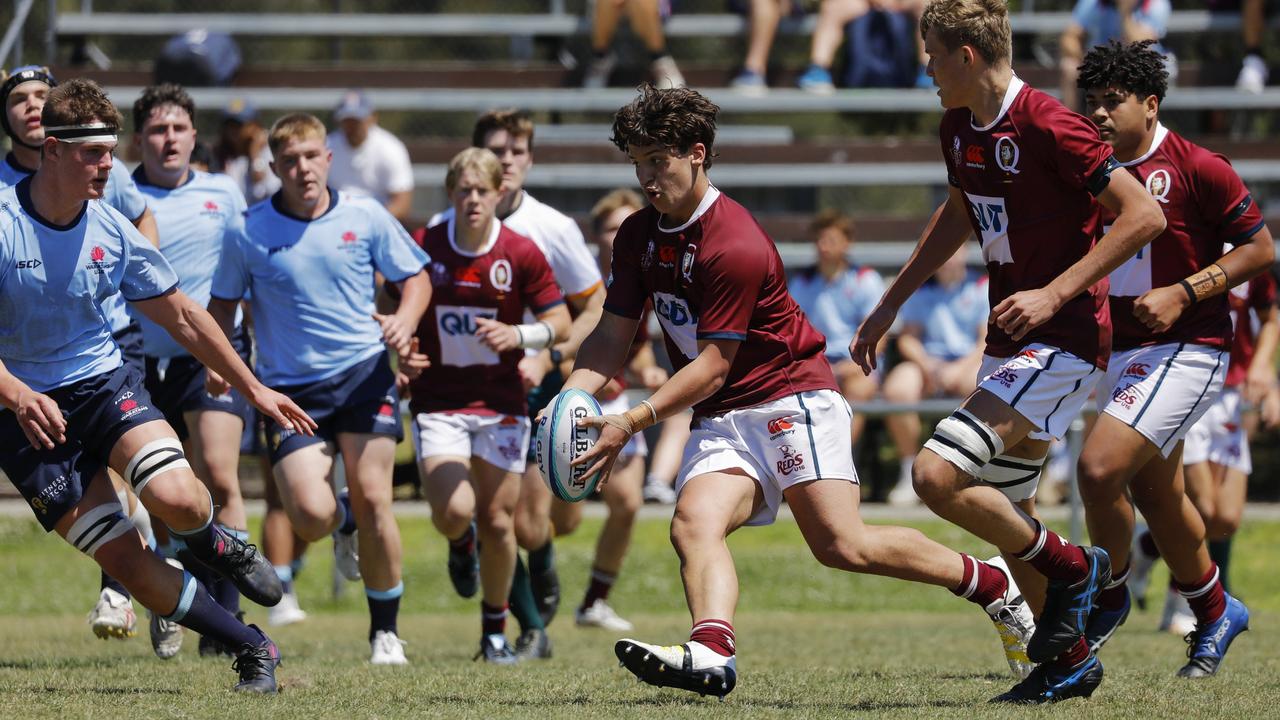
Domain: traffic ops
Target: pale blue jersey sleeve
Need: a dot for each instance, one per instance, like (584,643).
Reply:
(231,279)
(146,274)
(394,253)
(122,193)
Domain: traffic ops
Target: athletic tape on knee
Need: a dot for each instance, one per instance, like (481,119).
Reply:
(1016,477)
(98,527)
(185,598)
(965,441)
(140,518)
(156,457)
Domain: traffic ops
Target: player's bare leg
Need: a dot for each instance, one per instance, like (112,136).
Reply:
(857,387)
(369,461)
(303,480)
(283,549)
(1030,582)
(113,616)
(533,533)
(623,497)
(565,517)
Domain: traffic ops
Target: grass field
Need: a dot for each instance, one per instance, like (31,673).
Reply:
(814,643)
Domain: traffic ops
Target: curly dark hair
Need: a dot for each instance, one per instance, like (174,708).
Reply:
(159,96)
(1132,67)
(675,118)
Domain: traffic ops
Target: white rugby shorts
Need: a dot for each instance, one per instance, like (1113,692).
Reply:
(1219,436)
(636,446)
(781,443)
(1162,390)
(500,440)
(1045,385)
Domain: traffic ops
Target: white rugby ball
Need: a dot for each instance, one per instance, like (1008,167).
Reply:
(559,441)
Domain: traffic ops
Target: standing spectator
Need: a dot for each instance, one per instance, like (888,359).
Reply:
(368,160)
(242,152)
(1253,71)
(837,296)
(646,18)
(940,340)
(1094,22)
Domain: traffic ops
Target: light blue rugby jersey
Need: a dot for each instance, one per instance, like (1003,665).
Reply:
(837,308)
(120,193)
(311,283)
(195,220)
(56,282)
(949,318)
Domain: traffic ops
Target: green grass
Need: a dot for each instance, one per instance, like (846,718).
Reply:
(814,643)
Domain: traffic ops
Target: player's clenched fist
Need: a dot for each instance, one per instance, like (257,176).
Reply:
(1160,307)
(1022,312)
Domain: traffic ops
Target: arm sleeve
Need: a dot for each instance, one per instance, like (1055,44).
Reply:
(122,193)
(231,279)
(730,288)
(625,295)
(395,255)
(948,151)
(574,266)
(1079,158)
(146,273)
(1224,201)
(538,289)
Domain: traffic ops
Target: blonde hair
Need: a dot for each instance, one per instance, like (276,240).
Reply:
(294,126)
(479,159)
(613,201)
(980,24)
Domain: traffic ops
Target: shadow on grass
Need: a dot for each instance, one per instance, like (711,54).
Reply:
(106,691)
(689,701)
(53,664)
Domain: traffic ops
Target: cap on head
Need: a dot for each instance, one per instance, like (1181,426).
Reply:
(354,105)
(12,79)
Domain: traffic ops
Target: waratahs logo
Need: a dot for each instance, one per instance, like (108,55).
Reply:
(780,426)
(97,253)
(211,208)
(97,260)
(349,239)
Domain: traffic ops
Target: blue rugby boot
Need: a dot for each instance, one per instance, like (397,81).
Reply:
(257,666)
(1050,684)
(1207,645)
(1067,608)
(1104,622)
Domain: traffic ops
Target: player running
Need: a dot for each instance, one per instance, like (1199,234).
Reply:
(470,419)
(769,420)
(1171,344)
(307,258)
(1024,172)
(73,407)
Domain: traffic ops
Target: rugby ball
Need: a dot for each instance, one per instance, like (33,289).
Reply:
(559,441)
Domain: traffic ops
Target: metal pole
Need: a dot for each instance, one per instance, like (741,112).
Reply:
(1075,443)
(51,34)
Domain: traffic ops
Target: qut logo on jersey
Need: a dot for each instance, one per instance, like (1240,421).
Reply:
(461,324)
(677,314)
(992,219)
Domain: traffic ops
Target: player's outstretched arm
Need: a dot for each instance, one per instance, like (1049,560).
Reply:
(398,327)
(587,309)
(38,414)
(196,330)
(947,230)
(1138,221)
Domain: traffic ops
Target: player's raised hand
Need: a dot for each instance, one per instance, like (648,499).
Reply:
(41,420)
(214,384)
(615,432)
(413,363)
(395,333)
(284,411)
(867,340)
(1160,307)
(1022,312)
(497,336)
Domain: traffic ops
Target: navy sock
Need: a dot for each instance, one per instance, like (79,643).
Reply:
(348,525)
(114,584)
(223,590)
(1220,553)
(197,610)
(384,606)
(523,606)
(541,560)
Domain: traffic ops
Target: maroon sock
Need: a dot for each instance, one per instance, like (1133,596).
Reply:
(715,634)
(466,542)
(493,620)
(1205,596)
(601,583)
(981,583)
(1113,596)
(1148,544)
(1054,557)
(1075,655)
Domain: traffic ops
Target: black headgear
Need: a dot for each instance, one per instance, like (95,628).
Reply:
(11,80)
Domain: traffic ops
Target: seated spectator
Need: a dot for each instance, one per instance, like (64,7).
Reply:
(834,17)
(837,296)
(646,18)
(368,160)
(242,152)
(941,334)
(1095,22)
(763,17)
(1253,22)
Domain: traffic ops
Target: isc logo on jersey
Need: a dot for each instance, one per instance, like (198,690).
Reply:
(679,322)
(459,345)
(560,440)
(992,218)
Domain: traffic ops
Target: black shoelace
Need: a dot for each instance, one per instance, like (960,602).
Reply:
(252,663)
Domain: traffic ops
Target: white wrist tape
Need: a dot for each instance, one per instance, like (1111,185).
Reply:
(537,335)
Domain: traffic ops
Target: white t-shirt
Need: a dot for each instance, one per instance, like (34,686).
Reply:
(379,167)
(558,237)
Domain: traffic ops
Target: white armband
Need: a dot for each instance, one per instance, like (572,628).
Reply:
(535,335)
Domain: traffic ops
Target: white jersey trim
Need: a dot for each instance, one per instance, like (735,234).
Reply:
(1162,132)
(494,228)
(712,195)
(1015,86)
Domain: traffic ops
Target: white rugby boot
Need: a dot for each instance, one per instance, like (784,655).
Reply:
(387,649)
(346,555)
(1140,564)
(286,612)
(113,616)
(1177,617)
(1014,623)
(691,666)
(600,615)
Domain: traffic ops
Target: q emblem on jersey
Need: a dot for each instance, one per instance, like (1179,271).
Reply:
(678,321)
(1007,155)
(993,223)
(500,275)
(459,346)
(1159,184)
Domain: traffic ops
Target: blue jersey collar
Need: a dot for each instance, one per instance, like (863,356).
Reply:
(24,198)
(277,203)
(12,161)
(140,177)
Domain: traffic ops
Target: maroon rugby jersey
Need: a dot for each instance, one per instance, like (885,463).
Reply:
(1205,205)
(1248,301)
(719,276)
(507,276)
(1027,180)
